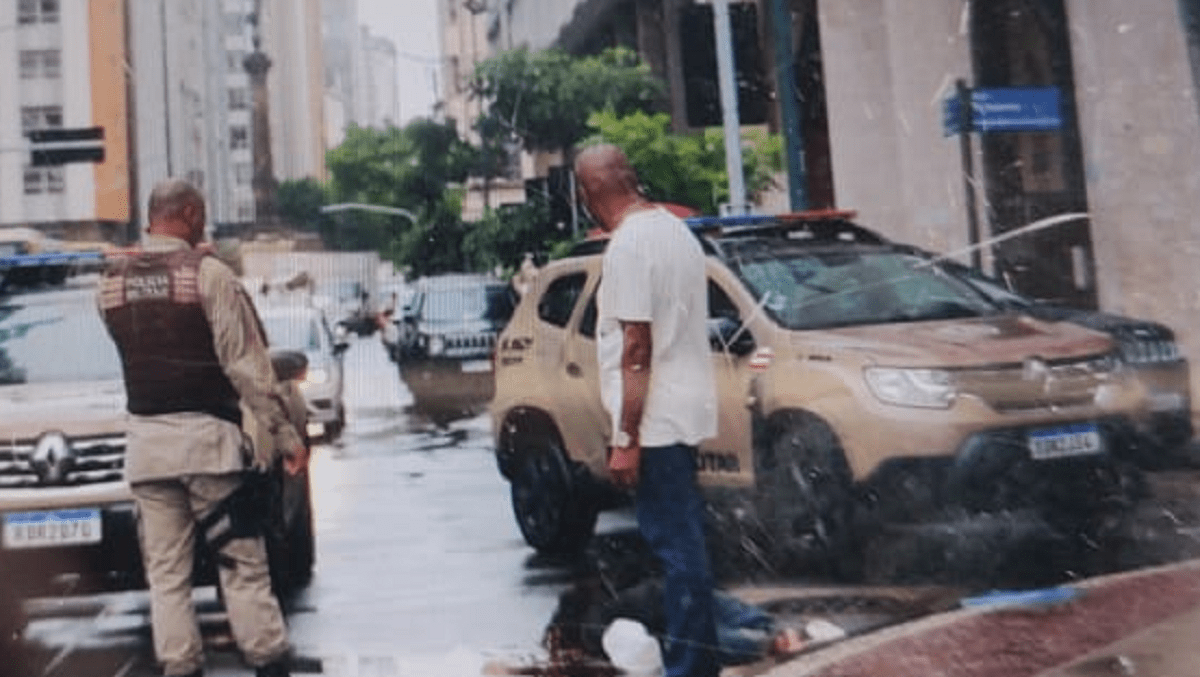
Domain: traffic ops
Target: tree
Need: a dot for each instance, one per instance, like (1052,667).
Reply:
(300,203)
(409,168)
(687,168)
(544,98)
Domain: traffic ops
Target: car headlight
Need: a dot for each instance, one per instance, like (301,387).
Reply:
(437,345)
(927,388)
(316,376)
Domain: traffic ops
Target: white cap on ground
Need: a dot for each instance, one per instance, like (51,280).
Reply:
(632,649)
(823,631)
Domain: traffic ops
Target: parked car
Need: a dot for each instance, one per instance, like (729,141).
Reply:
(306,329)
(1147,348)
(65,508)
(446,339)
(855,385)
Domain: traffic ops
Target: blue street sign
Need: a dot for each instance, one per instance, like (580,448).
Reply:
(1006,109)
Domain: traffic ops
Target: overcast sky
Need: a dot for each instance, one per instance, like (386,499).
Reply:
(413,26)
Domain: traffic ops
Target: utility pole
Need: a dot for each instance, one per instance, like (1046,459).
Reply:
(729,109)
(257,64)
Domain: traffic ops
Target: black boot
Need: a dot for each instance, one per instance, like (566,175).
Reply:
(276,668)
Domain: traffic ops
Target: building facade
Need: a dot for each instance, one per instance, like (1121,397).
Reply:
(379,95)
(62,61)
(292,39)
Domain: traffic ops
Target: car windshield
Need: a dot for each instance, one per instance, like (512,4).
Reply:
(820,289)
(55,337)
(491,302)
(294,332)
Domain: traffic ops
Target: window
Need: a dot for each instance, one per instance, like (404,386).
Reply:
(44,180)
(40,64)
(234,23)
(27,12)
(239,98)
(51,64)
(556,304)
(243,173)
(196,178)
(34,11)
(41,117)
(35,181)
(30,63)
(234,61)
(239,137)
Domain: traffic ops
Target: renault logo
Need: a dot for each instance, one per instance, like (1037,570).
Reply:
(1034,369)
(53,458)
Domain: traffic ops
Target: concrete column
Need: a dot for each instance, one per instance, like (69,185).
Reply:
(1141,147)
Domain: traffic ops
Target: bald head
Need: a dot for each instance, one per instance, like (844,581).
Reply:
(608,184)
(176,209)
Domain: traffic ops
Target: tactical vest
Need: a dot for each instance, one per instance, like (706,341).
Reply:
(151,303)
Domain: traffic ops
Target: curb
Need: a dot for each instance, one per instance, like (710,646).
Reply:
(902,638)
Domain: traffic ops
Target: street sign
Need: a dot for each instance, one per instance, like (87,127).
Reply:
(51,147)
(1006,109)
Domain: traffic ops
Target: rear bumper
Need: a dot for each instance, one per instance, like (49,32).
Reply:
(465,385)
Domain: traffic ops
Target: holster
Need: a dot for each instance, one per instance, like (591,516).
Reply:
(245,513)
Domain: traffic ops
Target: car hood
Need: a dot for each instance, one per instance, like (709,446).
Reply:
(1000,339)
(1124,328)
(81,408)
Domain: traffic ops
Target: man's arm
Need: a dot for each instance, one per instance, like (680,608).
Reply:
(635,381)
(243,354)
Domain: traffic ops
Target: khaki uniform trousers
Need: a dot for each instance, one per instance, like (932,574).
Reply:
(167,514)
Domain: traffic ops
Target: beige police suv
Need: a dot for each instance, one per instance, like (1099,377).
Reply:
(854,377)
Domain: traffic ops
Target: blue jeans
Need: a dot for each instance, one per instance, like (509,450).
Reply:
(670,515)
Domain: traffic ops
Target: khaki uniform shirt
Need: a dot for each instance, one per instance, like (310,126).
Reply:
(171,445)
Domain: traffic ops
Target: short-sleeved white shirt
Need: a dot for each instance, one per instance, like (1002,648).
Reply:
(653,271)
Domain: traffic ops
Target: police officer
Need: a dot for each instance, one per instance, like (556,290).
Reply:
(193,351)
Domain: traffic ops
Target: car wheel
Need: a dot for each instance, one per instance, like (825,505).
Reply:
(550,504)
(290,548)
(804,496)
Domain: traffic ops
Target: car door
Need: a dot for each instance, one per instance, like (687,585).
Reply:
(591,425)
(727,459)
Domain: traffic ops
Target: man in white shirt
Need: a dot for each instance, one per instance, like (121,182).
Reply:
(656,381)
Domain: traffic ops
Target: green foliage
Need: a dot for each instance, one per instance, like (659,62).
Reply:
(409,168)
(687,168)
(299,203)
(503,236)
(544,98)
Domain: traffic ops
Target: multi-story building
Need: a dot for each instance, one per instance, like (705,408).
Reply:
(292,39)
(379,94)
(872,77)
(464,26)
(62,66)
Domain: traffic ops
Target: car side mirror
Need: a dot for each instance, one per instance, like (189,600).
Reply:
(289,365)
(728,334)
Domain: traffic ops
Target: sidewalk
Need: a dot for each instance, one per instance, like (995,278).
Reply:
(1144,623)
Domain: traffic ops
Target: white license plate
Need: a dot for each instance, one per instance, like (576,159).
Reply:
(476,366)
(52,528)
(1076,440)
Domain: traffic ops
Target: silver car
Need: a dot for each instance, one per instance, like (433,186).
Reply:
(306,329)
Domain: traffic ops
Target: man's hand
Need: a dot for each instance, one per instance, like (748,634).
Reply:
(623,464)
(296,461)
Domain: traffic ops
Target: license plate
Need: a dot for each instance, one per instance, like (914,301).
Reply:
(1076,440)
(475,366)
(52,528)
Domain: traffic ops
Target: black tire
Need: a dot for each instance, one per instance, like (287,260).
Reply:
(291,550)
(805,498)
(551,504)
